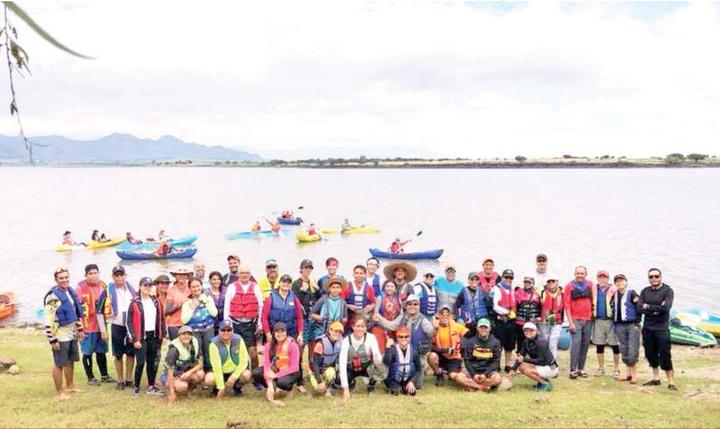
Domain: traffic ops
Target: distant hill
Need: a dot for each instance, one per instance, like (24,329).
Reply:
(122,148)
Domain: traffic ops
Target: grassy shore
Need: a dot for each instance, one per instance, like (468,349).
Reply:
(593,402)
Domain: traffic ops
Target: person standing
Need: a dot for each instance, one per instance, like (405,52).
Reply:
(243,307)
(541,272)
(359,296)
(88,291)
(626,319)
(176,297)
(284,306)
(655,303)
(199,312)
(145,327)
(63,328)
(527,300)
(331,266)
(233,262)
(504,309)
(372,277)
(551,314)
(603,333)
(488,277)
(115,302)
(199,272)
(426,291)
(308,292)
(216,292)
(448,287)
(402,274)
(471,302)
(271,281)
(578,302)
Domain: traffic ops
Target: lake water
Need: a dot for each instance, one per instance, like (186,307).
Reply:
(622,220)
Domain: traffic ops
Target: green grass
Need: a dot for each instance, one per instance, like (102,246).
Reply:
(594,402)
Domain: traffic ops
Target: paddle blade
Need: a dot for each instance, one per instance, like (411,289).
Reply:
(419,233)
(300,208)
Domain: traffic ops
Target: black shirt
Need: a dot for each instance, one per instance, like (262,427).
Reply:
(659,301)
(481,356)
(537,352)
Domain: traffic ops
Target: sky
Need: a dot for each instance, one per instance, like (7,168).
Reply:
(446,79)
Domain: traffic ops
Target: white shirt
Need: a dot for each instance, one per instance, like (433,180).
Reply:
(230,293)
(149,314)
(371,347)
(123,303)
(497,295)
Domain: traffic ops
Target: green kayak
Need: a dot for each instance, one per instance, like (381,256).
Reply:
(690,335)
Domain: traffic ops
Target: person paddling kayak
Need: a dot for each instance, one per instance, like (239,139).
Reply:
(287,214)
(274,226)
(397,245)
(256,227)
(312,230)
(164,248)
(346,225)
(67,239)
(131,239)
(97,236)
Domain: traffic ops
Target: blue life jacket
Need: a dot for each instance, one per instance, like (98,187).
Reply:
(358,299)
(627,310)
(428,300)
(68,312)
(377,288)
(418,338)
(283,310)
(401,367)
(201,318)
(580,290)
(473,306)
(235,340)
(331,352)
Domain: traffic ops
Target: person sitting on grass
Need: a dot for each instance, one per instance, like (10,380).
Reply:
(281,364)
(360,357)
(183,365)
(229,362)
(403,362)
(324,360)
(482,355)
(445,356)
(535,360)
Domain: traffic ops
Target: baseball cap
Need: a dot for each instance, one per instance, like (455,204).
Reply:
(449,267)
(372,261)
(270,262)
(118,269)
(280,326)
(473,275)
(488,260)
(541,257)
(411,297)
(551,276)
(508,273)
(337,326)
(235,257)
(184,329)
(306,263)
(483,322)
(618,277)
(445,307)
(530,325)
(428,274)
(603,273)
(162,278)
(146,281)
(224,324)
(285,278)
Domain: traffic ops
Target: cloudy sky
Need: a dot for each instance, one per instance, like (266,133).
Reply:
(448,78)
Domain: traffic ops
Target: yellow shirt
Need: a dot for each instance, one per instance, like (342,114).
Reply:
(266,287)
(228,367)
(445,340)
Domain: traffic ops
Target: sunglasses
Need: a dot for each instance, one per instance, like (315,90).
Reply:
(450,271)
(146,285)
(654,276)
(400,337)
(118,274)
(270,266)
(226,330)
(508,277)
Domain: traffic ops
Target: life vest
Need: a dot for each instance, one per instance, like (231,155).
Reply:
(394,247)
(359,358)
(581,291)
(266,286)
(281,358)
(283,310)
(390,307)
(401,369)
(376,285)
(626,309)
(507,299)
(111,293)
(186,358)
(552,305)
(428,300)
(68,312)
(201,318)
(418,337)
(528,305)
(487,284)
(321,326)
(455,340)
(473,306)
(331,351)
(89,296)
(234,354)
(163,248)
(358,299)
(606,295)
(244,305)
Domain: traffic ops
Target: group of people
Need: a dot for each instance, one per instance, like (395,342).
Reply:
(100,237)
(223,331)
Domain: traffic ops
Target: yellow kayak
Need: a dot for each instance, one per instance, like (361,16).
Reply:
(303,237)
(92,245)
(353,230)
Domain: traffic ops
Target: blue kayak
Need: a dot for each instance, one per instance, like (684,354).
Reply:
(134,255)
(428,254)
(248,234)
(152,245)
(292,221)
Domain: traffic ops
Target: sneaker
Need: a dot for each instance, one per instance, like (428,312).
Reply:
(136,392)
(120,386)
(573,375)
(672,387)
(328,394)
(107,379)
(93,382)
(439,380)
(508,369)
(545,387)
(652,383)
(583,374)
(600,372)
(536,386)
(153,390)
(371,388)
(128,384)
(237,390)
(258,386)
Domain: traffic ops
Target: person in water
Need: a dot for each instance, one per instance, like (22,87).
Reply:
(397,245)
(131,239)
(256,227)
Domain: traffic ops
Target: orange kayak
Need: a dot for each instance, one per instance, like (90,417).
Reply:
(7,304)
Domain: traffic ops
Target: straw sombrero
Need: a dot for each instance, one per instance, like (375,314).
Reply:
(410,269)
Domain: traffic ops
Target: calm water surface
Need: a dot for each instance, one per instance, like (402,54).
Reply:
(623,220)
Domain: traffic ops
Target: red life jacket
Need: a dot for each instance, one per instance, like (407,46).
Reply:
(552,304)
(244,305)
(487,285)
(394,247)
(507,300)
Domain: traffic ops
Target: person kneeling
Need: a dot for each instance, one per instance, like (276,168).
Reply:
(229,362)
(281,364)
(325,358)
(360,357)
(183,366)
(403,363)
(535,360)
(482,354)
(445,354)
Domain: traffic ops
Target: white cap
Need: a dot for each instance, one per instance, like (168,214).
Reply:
(551,276)
(412,297)
(530,325)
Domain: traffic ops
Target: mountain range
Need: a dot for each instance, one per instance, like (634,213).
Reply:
(119,148)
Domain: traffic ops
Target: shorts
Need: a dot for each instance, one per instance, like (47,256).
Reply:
(547,371)
(67,355)
(120,344)
(506,333)
(247,331)
(164,376)
(450,365)
(603,333)
(173,332)
(92,343)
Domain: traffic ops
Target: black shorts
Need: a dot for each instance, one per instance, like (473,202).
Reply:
(247,331)
(506,333)
(67,355)
(450,365)
(120,344)
(173,332)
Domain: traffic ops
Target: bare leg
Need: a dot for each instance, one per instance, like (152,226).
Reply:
(616,362)
(601,361)
(670,376)
(509,361)
(129,367)
(270,395)
(464,380)
(252,351)
(57,374)
(530,372)
(69,372)
(434,361)
(119,369)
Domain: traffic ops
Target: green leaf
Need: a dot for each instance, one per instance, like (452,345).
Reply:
(42,33)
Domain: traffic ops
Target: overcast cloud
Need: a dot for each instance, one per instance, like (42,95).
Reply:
(445,78)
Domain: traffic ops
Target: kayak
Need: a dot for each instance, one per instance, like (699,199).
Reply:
(92,245)
(291,221)
(353,230)
(7,304)
(249,234)
(134,255)
(304,237)
(428,254)
(702,319)
(684,333)
(565,339)
(152,245)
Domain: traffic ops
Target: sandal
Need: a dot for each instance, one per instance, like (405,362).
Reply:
(616,373)
(600,372)
(583,374)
